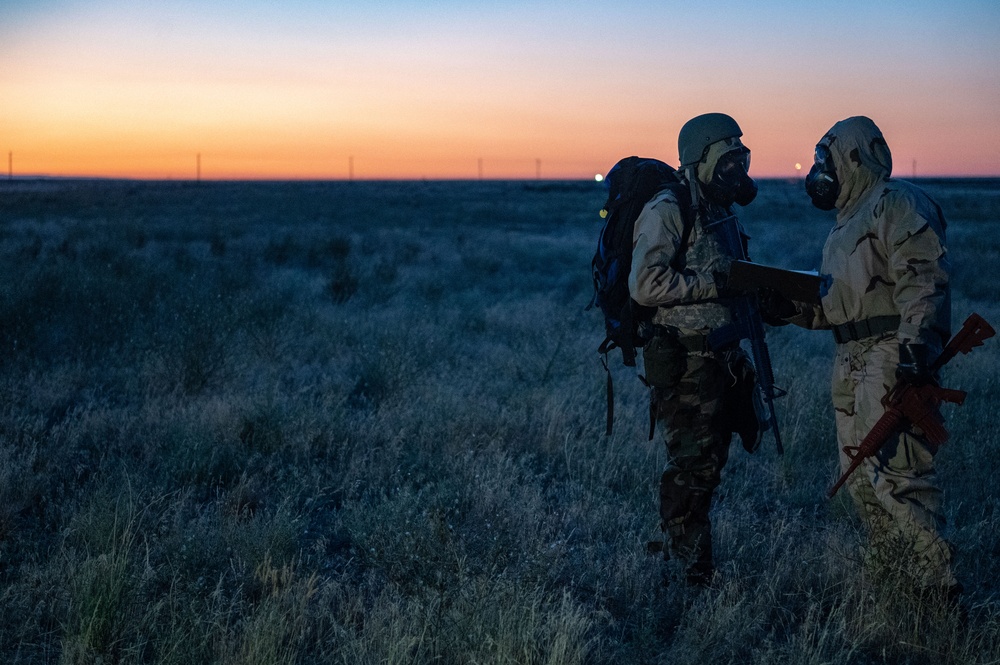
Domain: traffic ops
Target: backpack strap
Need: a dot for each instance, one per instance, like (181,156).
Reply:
(687,218)
(683,200)
(611,393)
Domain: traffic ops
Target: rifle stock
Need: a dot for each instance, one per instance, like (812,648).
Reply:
(889,423)
(907,404)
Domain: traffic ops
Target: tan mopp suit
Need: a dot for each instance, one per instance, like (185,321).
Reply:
(885,257)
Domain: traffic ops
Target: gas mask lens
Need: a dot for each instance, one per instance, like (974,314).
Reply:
(733,162)
(822,156)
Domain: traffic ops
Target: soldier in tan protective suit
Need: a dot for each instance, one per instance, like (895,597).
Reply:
(681,254)
(886,298)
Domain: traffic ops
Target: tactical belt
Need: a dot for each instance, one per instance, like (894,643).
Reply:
(695,343)
(852,331)
(718,340)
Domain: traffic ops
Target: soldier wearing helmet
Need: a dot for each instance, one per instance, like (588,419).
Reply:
(679,262)
(887,301)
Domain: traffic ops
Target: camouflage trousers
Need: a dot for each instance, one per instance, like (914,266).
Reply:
(895,491)
(689,416)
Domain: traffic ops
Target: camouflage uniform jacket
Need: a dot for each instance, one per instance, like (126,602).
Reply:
(681,287)
(886,255)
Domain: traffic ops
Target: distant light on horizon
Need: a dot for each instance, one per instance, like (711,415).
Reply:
(599,178)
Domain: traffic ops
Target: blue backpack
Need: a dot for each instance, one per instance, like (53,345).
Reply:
(631,184)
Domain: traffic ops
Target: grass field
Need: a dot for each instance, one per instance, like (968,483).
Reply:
(363,423)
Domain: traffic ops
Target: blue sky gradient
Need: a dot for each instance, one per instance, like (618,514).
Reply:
(412,89)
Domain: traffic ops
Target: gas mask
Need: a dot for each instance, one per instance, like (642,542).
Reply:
(730,182)
(822,184)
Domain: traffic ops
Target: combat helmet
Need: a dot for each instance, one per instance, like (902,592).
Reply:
(702,131)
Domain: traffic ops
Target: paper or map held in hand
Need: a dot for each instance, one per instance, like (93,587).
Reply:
(797,285)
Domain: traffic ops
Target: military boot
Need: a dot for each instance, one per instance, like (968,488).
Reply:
(694,548)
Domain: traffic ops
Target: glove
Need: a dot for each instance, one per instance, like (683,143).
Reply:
(914,365)
(721,280)
(775,308)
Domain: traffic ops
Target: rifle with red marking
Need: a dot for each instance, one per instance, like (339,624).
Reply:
(908,404)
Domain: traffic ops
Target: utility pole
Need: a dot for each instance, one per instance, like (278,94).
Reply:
(914,169)
(538,169)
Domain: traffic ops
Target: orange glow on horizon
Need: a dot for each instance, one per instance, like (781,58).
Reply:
(242,132)
(136,155)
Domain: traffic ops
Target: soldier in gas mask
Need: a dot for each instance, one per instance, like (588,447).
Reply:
(681,255)
(887,300)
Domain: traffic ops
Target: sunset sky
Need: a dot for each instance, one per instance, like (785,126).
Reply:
(497,89)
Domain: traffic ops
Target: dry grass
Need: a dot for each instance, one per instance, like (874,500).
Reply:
(363,423)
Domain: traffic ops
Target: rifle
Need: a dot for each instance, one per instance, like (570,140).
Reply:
(750,327)
(908,404)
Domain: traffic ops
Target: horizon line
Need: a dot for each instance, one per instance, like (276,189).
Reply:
(272,179)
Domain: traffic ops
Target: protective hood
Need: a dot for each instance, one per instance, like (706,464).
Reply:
(861,158)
